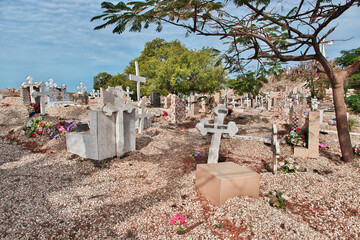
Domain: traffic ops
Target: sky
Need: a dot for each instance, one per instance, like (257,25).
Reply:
(55,39)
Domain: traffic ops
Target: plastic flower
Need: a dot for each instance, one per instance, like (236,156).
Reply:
(178,220)
(322,146)
(62,130)
(164,114)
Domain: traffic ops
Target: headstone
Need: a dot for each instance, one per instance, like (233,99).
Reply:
(81,88)
(142,115)
(51,83)
(218,128)
(275,146)
(42,94)
(177,109)
(138,79)
(112,129)
(194,107)
(155,99)
(295,116)
(314,104)
(217,99)
(167,101)
(204,106)
(128,93)
(26,90)
(92,93)
(312,149)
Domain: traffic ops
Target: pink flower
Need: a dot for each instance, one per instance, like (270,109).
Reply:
(322,146)
(298,129)
(257,171)
(178,220)
(62,130)
(303,136)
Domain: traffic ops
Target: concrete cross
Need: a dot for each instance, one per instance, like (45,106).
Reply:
(51,83)
(217,129)
(42,94)
(275,147)
(97,93)
(322,46)
(314,104)
(81,88)
(128,92)
(29,78)
(138,79)
(116,105)
(92,93)
(142,114)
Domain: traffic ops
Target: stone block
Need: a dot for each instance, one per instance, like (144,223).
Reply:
(221,181)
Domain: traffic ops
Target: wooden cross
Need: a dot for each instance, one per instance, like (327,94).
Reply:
(42,95)
(275,146)
(138,80)
(218,128)
(142,115)
(51,83)
(81,88)
(128,92)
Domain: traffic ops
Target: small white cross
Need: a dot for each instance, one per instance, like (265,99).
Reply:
(218,128)
(138,80)
(275,146)
(29,78)
(42,95)
(81,88)
(142,114)
(51,83)
(128,92)
(92,93)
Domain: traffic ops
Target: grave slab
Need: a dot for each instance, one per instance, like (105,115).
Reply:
(221,181)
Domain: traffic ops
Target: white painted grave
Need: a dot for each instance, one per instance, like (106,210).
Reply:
(42,94)
(218,128)
(138,79)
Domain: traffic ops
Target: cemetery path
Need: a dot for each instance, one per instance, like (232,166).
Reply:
(54,194)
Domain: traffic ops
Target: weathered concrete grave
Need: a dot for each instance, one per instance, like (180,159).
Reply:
(312,149)
(218,128)
(177,109)
(221,181)
(112,129)
(42,94)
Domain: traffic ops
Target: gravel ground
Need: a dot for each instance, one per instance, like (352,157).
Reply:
(47,192)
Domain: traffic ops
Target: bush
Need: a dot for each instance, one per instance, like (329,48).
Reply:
(353,102)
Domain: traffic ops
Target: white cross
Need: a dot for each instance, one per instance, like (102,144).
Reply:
(42,95)
(128,92)
(138,80)
(142,115)
(275,146)
(322,46)
(29,78)
(92,93)
(217,128)
(51,83)
(81,88)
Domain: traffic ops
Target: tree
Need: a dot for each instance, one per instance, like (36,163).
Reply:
(348,58)
(264,31)
(171,67)
(101,80)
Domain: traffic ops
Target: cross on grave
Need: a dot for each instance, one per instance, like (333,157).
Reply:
(128,92)
(314,104)
(29,78)
(31,86)
(217,129)
(116,105)
(81,88)
(275,147)
(322,46)
(141,115)
(138,79)
(42,94)
(51,83)
(92,93)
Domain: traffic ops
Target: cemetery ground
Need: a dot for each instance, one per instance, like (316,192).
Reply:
(47,192)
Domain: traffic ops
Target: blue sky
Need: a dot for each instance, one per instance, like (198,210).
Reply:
(55,39)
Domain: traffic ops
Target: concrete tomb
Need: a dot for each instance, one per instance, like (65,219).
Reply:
(221,181)
(217,128)
(177,110)
(112,129)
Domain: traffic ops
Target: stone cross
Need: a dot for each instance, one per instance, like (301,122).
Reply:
(142,114)
(314,104)
(217,129)
(138,79)
(42,94)
(31,86)
(29,78)
(51,83)
(275,146)
(81,88)
(128,92)
(92,93)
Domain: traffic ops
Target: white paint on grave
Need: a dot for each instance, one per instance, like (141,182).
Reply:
(138,79)
(218,128)
(81,88)
(42,94)
(142,115)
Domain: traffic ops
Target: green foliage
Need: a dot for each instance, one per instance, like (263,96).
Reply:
(249,82)
(277,200)
(347,58)
(296,138)
(289,165)
(101,80)
(351,123)
(171,67)
(353,102)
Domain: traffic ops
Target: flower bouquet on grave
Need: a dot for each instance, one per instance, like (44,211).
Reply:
(356,149)
(33,108)
(195,155)
(60,129)
(63,88)
(36,127)
(296,138)
(180,222)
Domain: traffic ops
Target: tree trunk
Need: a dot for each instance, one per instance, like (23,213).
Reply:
(337,85)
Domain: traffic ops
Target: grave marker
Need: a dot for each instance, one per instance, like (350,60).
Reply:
(218,128)
(275,146)
(81,88)
(42,94)
(142,114)
(128,93)
(138,79)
